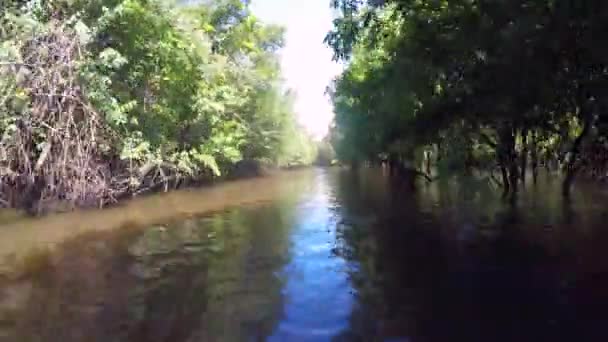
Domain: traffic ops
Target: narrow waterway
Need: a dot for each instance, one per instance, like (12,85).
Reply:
(324,255)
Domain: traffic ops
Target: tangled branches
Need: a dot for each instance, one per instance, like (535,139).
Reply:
(55,149)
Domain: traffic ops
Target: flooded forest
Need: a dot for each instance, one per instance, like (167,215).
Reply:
(157,182)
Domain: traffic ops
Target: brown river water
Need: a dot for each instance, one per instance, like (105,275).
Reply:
(315,255)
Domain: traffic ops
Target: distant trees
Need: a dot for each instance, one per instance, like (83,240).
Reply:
(493,85)
(326,156)
(100,99)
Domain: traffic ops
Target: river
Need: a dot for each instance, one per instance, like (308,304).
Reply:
(318,255)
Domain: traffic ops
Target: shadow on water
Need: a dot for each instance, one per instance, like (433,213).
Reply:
(347,257)
(447,265)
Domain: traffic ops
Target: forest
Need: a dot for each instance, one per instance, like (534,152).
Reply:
(104,99)
(497,87)
(468,203)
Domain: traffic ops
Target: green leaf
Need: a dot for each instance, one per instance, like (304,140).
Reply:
(209,162)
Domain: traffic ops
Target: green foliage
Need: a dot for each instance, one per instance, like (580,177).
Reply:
(297,148)
(419,71)
(190,90)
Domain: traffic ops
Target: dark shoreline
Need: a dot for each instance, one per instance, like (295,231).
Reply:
(256,170)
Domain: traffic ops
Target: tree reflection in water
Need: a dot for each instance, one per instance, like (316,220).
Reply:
(486,271)
(347,257)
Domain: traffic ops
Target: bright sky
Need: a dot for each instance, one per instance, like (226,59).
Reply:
(306,62)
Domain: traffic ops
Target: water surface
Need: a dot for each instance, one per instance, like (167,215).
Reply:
(333,255)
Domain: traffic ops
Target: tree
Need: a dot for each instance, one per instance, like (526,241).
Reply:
(158,96)
(501,72)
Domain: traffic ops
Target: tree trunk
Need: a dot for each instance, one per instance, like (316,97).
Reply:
(572,166)
(524,155)
(505,180)
(513,165)
(428,162)
(509,157)
(513,174)
(504,152)
(534,157)
(438,152)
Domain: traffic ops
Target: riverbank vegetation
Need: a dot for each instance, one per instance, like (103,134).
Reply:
(104,99)
(501,87)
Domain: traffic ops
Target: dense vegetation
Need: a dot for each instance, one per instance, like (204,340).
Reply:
(497,86)
(105,98)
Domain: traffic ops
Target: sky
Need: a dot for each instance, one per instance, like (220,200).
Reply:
(306,62)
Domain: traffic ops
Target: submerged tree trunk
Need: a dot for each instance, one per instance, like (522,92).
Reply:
(572,166)
(438,153)
(524,155)
(505,179)
(428,155)
(507,159)
(513,175)
(534,157)
(513,164)
(507,145)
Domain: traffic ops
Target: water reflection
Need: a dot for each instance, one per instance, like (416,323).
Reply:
(318,296)
(444,265)
(344,257)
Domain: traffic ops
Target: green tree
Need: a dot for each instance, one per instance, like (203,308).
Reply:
(490,77)
(159,95)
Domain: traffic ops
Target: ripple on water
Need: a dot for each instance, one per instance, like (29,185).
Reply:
(336,258)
